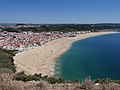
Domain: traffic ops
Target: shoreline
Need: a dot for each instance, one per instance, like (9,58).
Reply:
(43,59)
(52,73)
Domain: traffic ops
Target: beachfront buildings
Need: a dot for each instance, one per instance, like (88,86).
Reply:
(24,40)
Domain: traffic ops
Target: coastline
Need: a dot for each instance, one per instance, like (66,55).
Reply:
(42,59)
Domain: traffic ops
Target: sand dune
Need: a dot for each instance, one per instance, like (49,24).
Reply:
(41,59)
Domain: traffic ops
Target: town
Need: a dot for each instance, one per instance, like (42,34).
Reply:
(24,40)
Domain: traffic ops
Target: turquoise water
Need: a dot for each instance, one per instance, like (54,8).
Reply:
(97,57)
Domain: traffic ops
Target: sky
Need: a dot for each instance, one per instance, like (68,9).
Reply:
(59,11)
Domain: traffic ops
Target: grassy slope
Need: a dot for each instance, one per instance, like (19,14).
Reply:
(6,60)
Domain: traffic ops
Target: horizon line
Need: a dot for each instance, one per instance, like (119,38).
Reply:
(60,23)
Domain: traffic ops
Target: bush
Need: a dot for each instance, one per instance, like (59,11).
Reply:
(21,76)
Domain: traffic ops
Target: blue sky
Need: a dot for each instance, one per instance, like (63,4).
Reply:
(59,11)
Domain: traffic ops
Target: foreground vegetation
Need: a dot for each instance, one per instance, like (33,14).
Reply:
(21,76)
(6,83)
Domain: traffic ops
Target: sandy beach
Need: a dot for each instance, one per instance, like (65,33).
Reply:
(42,59)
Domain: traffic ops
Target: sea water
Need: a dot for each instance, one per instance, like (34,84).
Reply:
(97,57)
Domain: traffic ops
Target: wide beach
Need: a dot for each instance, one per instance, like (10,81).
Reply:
(42,59)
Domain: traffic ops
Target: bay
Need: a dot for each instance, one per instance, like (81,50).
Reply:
(97,57)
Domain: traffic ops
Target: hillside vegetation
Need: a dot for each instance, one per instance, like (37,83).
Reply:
(6,61)
(65,27)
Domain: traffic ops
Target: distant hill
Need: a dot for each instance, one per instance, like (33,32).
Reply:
(63,27)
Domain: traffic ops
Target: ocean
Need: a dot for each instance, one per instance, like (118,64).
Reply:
(97,57)
(7,24)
